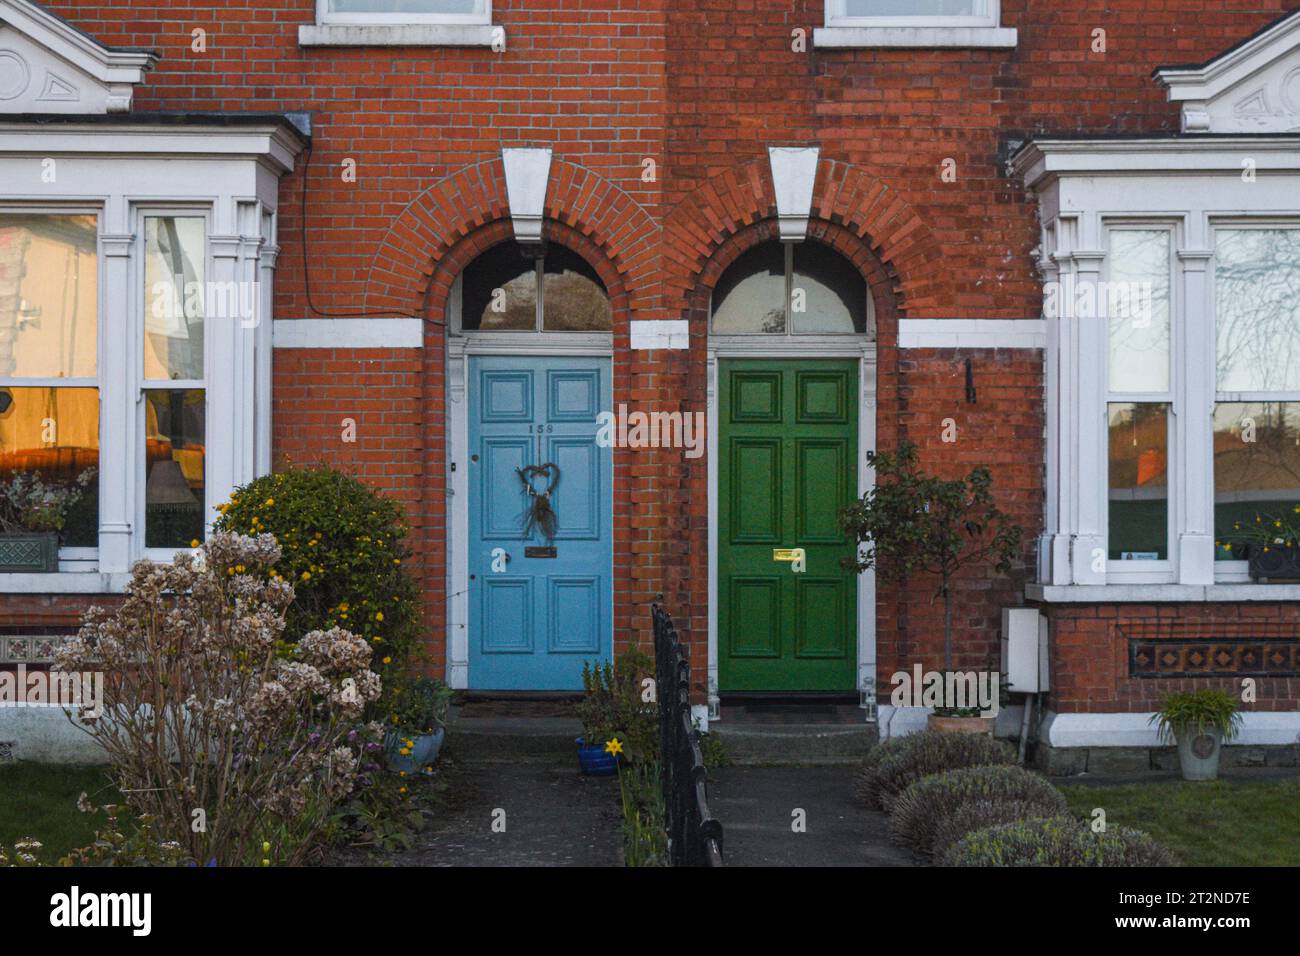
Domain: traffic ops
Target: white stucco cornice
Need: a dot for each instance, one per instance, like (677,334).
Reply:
(49,66)
(1044,160)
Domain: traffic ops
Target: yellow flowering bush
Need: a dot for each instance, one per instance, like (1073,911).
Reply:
(343,548)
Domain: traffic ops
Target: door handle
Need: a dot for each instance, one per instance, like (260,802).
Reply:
(795,556)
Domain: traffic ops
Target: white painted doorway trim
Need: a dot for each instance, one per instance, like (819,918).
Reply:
(793,347)
(460,347)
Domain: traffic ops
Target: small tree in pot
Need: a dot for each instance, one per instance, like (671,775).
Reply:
(912,522)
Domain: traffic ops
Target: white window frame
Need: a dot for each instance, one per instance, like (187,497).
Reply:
(989,16)
(140,384)
(932,31)
(1160,571)
(82,558)
(325,17)
(1239,570)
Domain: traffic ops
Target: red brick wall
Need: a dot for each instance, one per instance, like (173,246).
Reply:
(1091,669)
(702,88)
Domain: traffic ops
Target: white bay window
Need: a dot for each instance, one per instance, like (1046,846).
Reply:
(135,308)
(1172,300)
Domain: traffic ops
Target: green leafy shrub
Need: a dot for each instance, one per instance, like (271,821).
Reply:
(1194,712)
(917,811)
(418,706)
(891,767)
(342,548)
(645,841)
(978,814)
(1056,841)
(614,705)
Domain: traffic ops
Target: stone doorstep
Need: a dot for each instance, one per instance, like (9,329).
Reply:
(497,738)
(794,744)
(1072,761)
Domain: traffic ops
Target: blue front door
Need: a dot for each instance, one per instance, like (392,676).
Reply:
(539,606)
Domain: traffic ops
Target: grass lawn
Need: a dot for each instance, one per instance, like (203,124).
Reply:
(40,801)
(1220,823)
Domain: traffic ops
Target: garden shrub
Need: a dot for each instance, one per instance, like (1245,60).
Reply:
(918,810)
(203,717)
(1056,841)
(614,705)
(891,767)
(978,814)
(342,547)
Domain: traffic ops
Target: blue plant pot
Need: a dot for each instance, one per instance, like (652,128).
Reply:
(594,761)
(423,753)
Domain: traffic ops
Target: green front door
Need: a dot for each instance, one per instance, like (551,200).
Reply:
(787,464)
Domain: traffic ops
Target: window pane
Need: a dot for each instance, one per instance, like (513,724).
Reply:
(407,6)
(175,430)
(49,296)
(914,8)
(499,290)
(750,296)
(175,261)
(1256,469)
(573,297)
(53,434)
(827,294)
(1139,482)
(1136,298)
(1257,297)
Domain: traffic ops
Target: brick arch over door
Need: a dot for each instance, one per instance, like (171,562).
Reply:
(404,275)
(433,520)
(845,196)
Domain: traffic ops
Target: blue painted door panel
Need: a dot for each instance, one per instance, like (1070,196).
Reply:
(533,623)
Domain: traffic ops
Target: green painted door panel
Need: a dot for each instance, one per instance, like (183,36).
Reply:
(788,448)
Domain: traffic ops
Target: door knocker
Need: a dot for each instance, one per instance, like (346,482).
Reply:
(539,515)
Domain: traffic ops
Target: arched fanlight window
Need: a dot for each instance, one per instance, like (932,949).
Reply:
(790,289)
(517,288)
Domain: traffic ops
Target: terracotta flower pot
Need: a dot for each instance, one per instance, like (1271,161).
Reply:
(961,725)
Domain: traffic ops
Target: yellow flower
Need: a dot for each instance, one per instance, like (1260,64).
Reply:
(614,746)
(397,560)
(266,862)
(266,847)
(388,660)
(306,575)
(403,790)
(269,502)
(194,543)
(379,615)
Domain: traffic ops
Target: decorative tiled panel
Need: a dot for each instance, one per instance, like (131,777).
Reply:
(28,648)
(1214,658)
(1212,649)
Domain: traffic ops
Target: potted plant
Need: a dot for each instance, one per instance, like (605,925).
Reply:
(416,721)
(616,707)
(911,522)
(1271,544)
(1199,722)
(32,513)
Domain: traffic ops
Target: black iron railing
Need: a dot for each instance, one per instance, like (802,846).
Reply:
(694,837)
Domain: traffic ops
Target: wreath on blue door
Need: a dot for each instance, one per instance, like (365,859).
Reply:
(539,515)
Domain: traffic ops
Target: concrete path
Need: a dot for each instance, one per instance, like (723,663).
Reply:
(756,807)
(552,816)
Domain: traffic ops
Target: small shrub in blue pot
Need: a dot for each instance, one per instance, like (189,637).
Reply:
(416,724)
(614,707)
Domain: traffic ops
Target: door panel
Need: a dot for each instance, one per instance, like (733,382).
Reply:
(788,437)
(534,623)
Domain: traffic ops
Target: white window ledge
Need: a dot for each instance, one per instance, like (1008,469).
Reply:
(1160,593)
(845,38)
(64,582)
(400,34)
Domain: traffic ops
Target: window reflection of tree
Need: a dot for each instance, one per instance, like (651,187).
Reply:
(1257,291)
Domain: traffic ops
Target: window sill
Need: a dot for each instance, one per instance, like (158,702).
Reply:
(406,34)
(1160,593)
(848,38)
(64,582)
